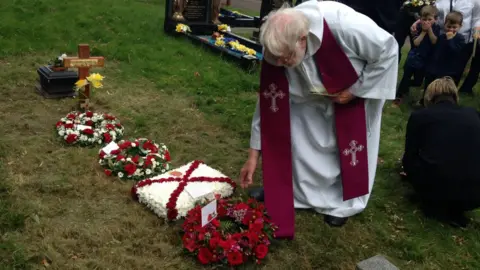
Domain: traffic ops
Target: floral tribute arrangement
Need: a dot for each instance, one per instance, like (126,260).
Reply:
(135,159)
(94,79)
(224,28)
(57,62)
(414,6)
(182,28)
(232,44)
(172,194)
(240,233)
(89,128)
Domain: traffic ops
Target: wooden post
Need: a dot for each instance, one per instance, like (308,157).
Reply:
(83,63)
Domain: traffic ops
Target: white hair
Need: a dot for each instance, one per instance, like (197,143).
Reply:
(282,29)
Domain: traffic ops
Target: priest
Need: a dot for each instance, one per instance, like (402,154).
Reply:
(326,74)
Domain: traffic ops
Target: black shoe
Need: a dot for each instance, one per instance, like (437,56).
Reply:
(335,221)
(257,194)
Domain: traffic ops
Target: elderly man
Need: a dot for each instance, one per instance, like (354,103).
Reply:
(327,73)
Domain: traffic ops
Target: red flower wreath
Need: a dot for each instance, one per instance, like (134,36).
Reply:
(241,232)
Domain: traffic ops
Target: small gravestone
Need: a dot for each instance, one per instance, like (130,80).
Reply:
(376,263)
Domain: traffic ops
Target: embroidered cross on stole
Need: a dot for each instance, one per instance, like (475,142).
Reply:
(337,74)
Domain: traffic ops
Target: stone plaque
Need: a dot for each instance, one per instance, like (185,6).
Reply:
(197,11)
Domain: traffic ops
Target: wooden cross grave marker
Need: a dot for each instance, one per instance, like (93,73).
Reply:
(83,63)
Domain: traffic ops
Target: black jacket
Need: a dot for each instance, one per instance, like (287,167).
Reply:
(383,12)
(442,152)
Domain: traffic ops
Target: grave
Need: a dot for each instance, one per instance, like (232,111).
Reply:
(377,262)
(199,17)
(83,63)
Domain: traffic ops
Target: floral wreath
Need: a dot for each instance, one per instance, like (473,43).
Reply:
(233,44)
(175,208)
(89,128)
(135,159)
(241,232)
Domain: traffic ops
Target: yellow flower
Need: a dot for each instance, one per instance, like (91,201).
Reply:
(81,83)
(97,84)
(182,28)
(220,42)
(223,28)
(251,52)
(95,77)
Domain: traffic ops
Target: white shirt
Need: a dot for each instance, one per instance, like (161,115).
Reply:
(471,15)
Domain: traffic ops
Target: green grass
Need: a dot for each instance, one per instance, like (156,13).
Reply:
(80,219)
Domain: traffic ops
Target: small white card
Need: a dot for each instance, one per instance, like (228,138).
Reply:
(82,127)
(209,212)
(110,147)
(198,191)
(249,56)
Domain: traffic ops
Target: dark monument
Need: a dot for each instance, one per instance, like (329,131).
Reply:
(56,83)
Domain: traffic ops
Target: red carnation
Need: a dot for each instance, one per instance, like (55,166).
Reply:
(235,258)
(108,172)
(136,158)
(205,255)
(109,126)
(120,157)
(107,137)
(68,125)
(130,168)
(89,114)
(189,244)
(88,131)
(167,155)
(125,145)
(115,152)
(71,138)
(71,116)
(172,214)
(59,124)
(89,123)
(148,145)
(102,154)
(261,251)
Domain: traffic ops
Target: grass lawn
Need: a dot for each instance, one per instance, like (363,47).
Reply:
(58,209)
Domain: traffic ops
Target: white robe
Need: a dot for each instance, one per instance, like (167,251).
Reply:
(316,168)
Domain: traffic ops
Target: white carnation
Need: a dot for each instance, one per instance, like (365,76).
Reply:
(61,132)
(120,174)
(133,144)
(148,171)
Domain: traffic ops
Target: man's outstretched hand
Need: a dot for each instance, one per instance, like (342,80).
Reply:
(248,169)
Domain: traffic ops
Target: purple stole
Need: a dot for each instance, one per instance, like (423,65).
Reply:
(337,74)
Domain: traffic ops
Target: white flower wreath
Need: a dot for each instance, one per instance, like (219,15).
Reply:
(89,128)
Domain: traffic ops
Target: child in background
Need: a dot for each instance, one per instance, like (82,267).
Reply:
(447,51)
(418,57)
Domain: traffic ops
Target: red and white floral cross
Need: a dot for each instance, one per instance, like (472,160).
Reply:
(183,180)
